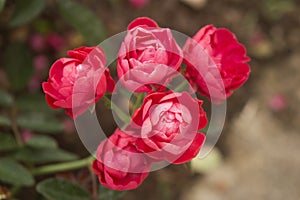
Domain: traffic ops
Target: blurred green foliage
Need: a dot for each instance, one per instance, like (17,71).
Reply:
(54,189)
(18,65)
(2,3)
(25,11)
(22,111)
(83,20)
(14,173)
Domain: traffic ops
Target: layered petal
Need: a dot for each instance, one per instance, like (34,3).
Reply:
(216,63)
(77,82)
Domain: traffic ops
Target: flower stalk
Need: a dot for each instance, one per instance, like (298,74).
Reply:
(138,102)
(125,118)
(55,168)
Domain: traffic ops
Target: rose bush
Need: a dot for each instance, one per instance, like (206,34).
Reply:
(167,126)
(148,56)
(85,67)
(216,62)
(119,165)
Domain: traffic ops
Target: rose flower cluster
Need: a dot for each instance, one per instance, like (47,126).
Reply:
(167,125)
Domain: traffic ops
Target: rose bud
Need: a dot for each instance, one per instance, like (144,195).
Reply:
(149,56)
(119,165)
(168,125)
(77,82)
(216,63)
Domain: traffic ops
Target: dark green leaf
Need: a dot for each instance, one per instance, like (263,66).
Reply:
(2,3)
(107,194)
(4,121)
(13,173)
(40,122)
(18,65)
(7,142)
(26,10)
(54,189)
(34,102)
(43,26)
(41,142)
(5,98)
(43,155)
(83,21)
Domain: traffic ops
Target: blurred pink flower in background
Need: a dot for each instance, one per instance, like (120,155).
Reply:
(34,84)
(37,42)
(138,3)
(69,126)
(277,102)
(55,41)
(26,135)
(41,63)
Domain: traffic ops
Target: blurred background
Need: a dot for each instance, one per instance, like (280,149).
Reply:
(257,156)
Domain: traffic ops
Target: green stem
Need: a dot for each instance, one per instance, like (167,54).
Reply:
(14,126)
(125,118)
(94,184)
(51,169)
(138,102)
(180,87)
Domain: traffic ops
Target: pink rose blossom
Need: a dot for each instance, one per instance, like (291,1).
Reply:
(85,67)
(119,165)
(148,57)
(216,62)
(167,126)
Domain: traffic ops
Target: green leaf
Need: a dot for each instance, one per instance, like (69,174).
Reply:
(2,3)
(43,26)
(34,102)
(41,142)
(275,9)
(54,189)
(4,121)
(40,122)
(83,21)
(5,98)
(13,173)
(18,65)
(26,10)
(7,142)
(43,156)
(107,194)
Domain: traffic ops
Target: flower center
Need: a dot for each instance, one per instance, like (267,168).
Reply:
(169,123)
